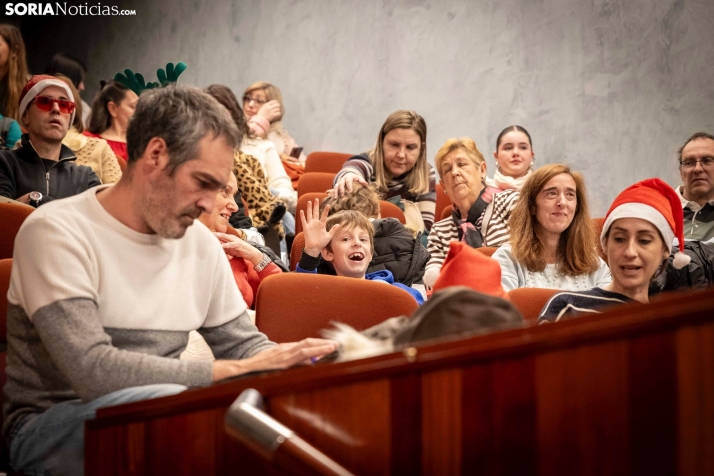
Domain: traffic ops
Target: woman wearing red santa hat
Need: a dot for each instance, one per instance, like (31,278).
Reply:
(638,231)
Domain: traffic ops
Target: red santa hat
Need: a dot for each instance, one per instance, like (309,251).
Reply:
(36,85)
(466,266)
(658,203)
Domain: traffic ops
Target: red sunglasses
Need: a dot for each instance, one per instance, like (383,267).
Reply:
(45,103)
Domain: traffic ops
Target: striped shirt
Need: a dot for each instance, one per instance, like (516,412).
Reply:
(493,224)
(425,202)
(571,303)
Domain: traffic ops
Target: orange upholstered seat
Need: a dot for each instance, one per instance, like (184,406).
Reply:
(390,210)
(530,301)
(330,162)
(302,206)
(315,182)
(296,250)
(11,216)
(442,200)
(293,306)
(5,268)
(446,212)
(487,250)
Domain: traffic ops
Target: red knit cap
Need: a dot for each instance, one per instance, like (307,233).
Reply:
(656,202)
(466,266)
(35,86)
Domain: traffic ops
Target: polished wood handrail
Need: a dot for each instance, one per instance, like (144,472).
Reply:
(247,422)
(677,309)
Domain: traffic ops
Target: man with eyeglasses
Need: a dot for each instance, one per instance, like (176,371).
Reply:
(696,167)
(43,169)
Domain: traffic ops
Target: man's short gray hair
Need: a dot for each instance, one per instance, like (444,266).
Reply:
(182,116)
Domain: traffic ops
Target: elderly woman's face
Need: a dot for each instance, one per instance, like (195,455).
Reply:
(635,250)
(223,209)
(556,204)
(461,177)
(402,148)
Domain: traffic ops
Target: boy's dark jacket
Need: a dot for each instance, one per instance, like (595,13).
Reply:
(396,250)
(23,171)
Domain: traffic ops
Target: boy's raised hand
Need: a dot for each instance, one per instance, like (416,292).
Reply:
(314,228)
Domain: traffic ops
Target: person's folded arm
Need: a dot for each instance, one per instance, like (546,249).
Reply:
(75,340)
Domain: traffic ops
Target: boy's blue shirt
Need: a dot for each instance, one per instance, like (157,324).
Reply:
(382,275)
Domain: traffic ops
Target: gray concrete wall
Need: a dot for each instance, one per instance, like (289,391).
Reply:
(611,87)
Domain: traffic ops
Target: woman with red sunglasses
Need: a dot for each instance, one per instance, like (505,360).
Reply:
(44,169)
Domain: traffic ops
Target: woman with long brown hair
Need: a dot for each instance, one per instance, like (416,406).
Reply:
(553,239)
(13,70)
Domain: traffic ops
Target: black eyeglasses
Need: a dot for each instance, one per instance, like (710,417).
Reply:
(247,99)
(707,163)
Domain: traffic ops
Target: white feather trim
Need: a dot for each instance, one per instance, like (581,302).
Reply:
(354,344)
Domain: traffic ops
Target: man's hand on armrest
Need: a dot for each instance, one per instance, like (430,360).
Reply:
(281,356)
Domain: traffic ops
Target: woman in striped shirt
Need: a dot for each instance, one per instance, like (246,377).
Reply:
(462,172)
(397,166)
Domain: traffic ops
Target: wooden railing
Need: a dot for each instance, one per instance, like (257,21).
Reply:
(630,391)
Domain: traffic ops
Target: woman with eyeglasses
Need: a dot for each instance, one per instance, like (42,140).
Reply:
(266,152)
(397,166)
(112,108)
(555,242)
(263,107)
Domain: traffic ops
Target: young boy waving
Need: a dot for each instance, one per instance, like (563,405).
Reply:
(346,239)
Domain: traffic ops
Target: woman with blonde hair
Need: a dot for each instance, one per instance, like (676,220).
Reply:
(462,173)
(554,243)
(13,70)
(398,167)
(263,107)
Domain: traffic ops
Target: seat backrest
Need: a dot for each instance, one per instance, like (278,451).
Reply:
(296,250)
(599,222)
(5,268)
(442,200)
(330,162)
(292,306)
(530,301)
(302,206)
(487,250)
(390,210)
(122,163)
(315,182)
(447,211)
(12,215)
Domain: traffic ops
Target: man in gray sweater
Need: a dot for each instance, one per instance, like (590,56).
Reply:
(106,286)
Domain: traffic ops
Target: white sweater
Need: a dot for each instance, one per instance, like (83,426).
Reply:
(515,275)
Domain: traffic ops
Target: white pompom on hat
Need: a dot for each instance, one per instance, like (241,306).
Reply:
(36,85)
(655,201)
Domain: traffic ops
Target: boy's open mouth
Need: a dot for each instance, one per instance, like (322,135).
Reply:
(356,256)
